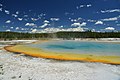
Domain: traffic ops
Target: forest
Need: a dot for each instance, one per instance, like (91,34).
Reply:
(62,35)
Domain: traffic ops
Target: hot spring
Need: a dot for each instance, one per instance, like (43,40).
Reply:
(104,52)
(99,48)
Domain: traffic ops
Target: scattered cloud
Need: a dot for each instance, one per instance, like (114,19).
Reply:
(30,24)
(83,24)
(17,28)
(89,20)
(51,30)
(7,12)
(17,12)
(110,11)
(82,6)
(46,21)
(110,19)
(54,19)
(8,30)
(89,5)
(22,29)
(11,27)
(110,28)
(75,20)
(34,19)
(61,26)
(44,25)
(99,22)
(93,30)
(67,13)
(78,24)
(42,14)
(34,30)
(25,19)
(25,15)
(1,9)
(14,15)
(118,24)
(20,19)
(8,21)
(1,5)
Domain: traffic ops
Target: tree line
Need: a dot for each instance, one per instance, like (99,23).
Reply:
(63,35)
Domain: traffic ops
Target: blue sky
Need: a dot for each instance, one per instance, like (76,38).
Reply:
(59,15)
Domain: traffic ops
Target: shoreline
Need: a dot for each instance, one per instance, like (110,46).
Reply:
(62,56)
(58,39)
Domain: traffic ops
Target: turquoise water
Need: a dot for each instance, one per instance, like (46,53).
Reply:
(78,47)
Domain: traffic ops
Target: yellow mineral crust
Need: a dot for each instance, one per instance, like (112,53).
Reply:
(37,52)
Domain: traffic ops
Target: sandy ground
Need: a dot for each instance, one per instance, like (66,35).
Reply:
(21,67)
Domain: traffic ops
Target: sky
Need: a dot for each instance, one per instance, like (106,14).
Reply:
(39,16)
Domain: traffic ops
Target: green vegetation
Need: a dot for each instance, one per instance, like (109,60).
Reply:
(88,34)
(64,35)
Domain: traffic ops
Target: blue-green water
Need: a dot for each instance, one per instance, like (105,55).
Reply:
(98,48)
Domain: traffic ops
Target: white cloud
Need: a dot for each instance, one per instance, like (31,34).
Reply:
(110,19)
(22,29)
(109,28)
(46,21)
(61,26)
(17,28)
(78,24)
(77,7)
(34,19)
(81,6)
(44,25)
(89,20)
(93,30)
(89,5)
(79,18)
(11,27)
(30,24)
(54,19)
(99,22)
(75,20)
(84,24)
(41,15)
(1,5)
(8,21)
(34,30)
(26,19)
(67,13)
(17,12)
(20,19)
(75,29)
(7,12)
(8,30)
(51,30)
(118,24)
(14,15)
(1,9)
(25,15)
(110,11)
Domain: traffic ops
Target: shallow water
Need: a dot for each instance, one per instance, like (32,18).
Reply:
(98,48)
